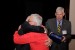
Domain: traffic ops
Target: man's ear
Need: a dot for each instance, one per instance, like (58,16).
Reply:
(55,14)
(63,14)
(27,19)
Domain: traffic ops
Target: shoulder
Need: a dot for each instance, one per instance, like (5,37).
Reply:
(67,21)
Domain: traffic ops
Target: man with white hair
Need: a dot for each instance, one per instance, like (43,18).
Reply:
(26,27)
(60,27)
(35,39)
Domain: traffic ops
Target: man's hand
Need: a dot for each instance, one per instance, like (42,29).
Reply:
(48,42)
(45,30)
(64,39)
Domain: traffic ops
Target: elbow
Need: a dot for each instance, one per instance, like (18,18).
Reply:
(15,40)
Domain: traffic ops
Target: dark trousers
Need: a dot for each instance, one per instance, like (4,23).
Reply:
(23,47)
(62,46)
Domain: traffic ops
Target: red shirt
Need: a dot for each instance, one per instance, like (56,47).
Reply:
(36,40)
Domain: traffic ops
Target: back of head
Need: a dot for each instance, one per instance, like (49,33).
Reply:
(37,18)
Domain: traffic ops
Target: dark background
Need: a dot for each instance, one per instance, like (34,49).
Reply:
(14,12)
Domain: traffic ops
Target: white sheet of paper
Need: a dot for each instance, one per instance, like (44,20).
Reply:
(64,32)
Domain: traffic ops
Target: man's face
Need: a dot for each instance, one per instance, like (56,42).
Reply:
(59,15)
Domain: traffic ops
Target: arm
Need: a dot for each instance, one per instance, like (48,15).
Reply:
(49,41)
(47,26)
(68,36)
(21,39)
(26,27)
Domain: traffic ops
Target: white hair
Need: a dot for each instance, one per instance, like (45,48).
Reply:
(37,18)
(61,9)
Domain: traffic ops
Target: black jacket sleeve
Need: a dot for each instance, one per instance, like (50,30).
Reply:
(26,27)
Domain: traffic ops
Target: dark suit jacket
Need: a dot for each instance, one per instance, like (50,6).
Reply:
(51,25)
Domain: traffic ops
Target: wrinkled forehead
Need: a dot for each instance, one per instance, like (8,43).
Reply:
(59,12)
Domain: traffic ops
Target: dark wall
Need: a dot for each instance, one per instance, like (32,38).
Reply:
(45,8)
